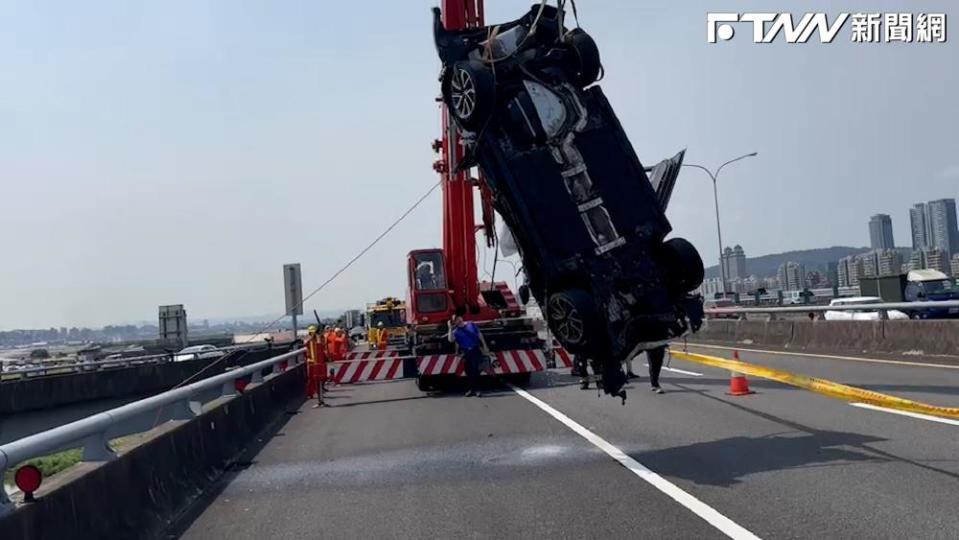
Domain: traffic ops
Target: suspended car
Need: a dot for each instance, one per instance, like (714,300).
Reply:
(588,221)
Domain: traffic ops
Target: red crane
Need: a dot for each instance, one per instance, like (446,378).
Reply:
(444,281)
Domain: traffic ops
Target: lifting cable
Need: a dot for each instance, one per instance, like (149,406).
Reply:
(325,283)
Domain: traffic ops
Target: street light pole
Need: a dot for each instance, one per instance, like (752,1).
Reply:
(714,176)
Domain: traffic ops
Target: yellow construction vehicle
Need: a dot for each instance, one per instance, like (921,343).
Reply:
(387,316)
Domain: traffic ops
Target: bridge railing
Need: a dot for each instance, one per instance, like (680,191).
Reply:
(90,433)
(882,308)
(61,367)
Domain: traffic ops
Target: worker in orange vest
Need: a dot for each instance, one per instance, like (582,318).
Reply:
(328,341)
(316,356)
(340,345)
(382,337)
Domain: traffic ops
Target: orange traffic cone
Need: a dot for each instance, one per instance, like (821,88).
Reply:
(738,385)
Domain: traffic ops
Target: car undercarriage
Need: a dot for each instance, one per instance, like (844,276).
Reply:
(587,217)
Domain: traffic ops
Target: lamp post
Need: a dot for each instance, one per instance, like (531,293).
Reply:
(719,235)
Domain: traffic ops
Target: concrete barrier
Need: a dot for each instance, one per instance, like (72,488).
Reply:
(137,494)
(777,333)
(922,336)
(722,330)
(939,337)
(139,380)
(750,331)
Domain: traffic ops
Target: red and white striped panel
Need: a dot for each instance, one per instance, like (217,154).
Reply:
(382,369)
(513,308)
(563,357)
(520,362)
(511,303)
(440,364)
(509,362)
(371,354)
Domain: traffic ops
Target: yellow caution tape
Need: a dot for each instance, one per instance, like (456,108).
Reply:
(820,386)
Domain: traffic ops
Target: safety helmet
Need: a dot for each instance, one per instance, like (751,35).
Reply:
(380,324)
(311,329)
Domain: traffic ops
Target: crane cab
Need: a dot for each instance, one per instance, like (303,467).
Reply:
(429,293)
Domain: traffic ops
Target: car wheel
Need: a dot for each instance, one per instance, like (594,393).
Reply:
(470,94)
(584,66)
(571,314)
(685,264)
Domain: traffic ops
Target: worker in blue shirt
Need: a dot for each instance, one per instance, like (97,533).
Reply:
(472,347)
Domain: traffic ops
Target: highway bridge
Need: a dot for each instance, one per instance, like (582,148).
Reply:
(386,460)
(556,461)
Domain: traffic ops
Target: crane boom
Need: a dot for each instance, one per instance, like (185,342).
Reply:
(459,229)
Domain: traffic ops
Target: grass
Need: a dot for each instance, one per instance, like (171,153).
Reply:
(48,465)
(54,463)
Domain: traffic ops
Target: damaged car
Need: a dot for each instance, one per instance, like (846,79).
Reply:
(587,217)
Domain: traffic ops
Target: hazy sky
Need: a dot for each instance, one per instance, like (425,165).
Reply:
(182,151)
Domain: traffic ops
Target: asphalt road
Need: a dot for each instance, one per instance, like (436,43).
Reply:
(388,462)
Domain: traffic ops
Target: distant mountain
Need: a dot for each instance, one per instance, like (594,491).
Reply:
(813,259)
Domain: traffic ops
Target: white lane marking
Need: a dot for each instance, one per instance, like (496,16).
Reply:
(729,527)
(907,413)
(684,372)
(830,356)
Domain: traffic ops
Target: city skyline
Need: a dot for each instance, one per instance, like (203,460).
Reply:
(169,153)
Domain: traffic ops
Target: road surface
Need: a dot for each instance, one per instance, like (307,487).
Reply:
(388,462)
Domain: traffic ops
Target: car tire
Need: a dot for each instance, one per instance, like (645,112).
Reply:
(571,314)
(470,94)
(584,65)
(684,263)
(523,294)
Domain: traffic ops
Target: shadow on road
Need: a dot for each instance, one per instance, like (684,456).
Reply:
(724,462)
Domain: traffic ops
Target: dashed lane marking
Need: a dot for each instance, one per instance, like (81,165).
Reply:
(727,526)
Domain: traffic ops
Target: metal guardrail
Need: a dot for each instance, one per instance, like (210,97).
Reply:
(90,433)
(62,367)
(882,308)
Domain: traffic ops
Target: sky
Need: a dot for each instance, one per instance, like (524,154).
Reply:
(183,151)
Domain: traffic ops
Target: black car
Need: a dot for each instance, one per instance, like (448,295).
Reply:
(588,221)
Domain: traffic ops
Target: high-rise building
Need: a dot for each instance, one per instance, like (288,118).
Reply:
(917,223)
(934,225)
(870,264)
(955,265)
(936,259)
(880,232)
(792,276)
(941,225)
(734,262)
(849,270)
(890,262)
(917,261)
